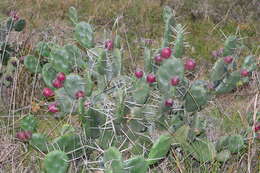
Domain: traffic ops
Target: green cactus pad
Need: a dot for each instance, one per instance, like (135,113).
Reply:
(235,143)
(29,123)
(73,84)
(219,70)
(222,143)
(19,25)
(67,143)
(230,45)
(101,61)
(64,101)
(196,97)
(202,151)
(141,92)
(136,165)
(142,145)
(178,49)
(48,74)
(117,42)
(60,60)
(43,49)
(170,22)
(84,34)
(229,83)
(117,63)
(32,64)
(56,162)
(120,107)
(170,68)
(148,61)
(40,142)
(76,59)
(73,15)
(89,84)
(232,143)
(67,129)
(159,149)
(249,63)
(91,121)
(113,161)
(137,122)
(223,156)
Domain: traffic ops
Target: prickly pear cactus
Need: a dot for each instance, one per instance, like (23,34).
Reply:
(203,151)
(170,22)
(136,165)
(160,148)
(113,161)
(230,45)
(48,74)
(60,60)
(84,34)
(223,156)
(148,60)
(29,123)
(170,68)
(69,143)
(229,83)
(56,162)
(40,142)
(218,71)
(141,92)
(178,50)
(196,97)
(73,84)
(32,64)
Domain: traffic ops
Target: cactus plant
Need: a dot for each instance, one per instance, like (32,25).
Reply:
(136,165)
(159,149)
(84,34)
(29,123)
(32,64)
(113,161)
(56,162)
(121,112)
